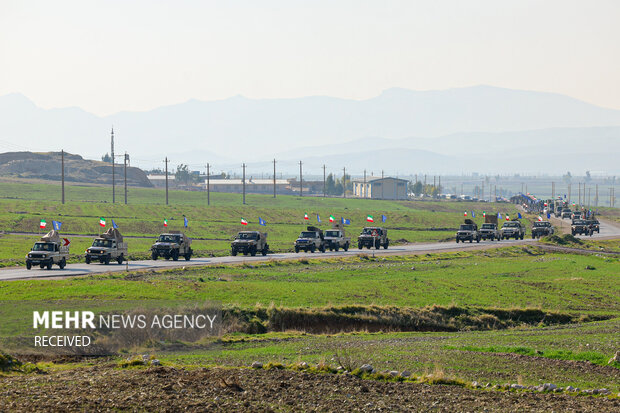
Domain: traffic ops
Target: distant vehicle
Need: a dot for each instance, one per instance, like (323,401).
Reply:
(566,213)
(50,250)
(542,229)
(250,242)
(310,240)
(576,215)
(373,237)
(512,229)
(468,232)
(489,231)
(595,225)
(107,247)
(580,227)
(173,244)
(336,238)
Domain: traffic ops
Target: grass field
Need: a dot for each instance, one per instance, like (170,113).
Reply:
(23,205)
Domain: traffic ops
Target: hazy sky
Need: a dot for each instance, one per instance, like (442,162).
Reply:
(108,56)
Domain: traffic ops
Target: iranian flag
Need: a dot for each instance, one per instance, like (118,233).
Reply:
(484,214)
(102,222)
(465,213)
(244,222)
(539,218)
(42,224)
(369,218)
(165,222)
(331,218)
(306,217)
(507,217)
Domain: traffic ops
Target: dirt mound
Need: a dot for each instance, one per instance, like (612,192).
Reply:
(34,165)
(168,389)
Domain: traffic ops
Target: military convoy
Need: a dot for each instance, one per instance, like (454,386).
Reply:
(173,244)
(468,232)
(310,240)
(542,229)
(250,242)
(107,247)
(373,237)
(336,238)
(50,250)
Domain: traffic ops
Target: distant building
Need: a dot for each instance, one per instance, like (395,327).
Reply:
(380,188)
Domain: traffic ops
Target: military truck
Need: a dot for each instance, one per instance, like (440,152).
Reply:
(468,232)
(373,237)
(250,242)
(489,231)
(542,229)
(595,225)
(109,246)
(566,213)
(580,227)
(173,244)
(310,240)
(50,250)
(336,238)
(512,229)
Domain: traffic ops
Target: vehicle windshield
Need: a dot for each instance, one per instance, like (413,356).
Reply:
(105,243)
(247,235)
(370,231)
(43,246)
(511,225)
(308,234)
(566,211)
(332,233)
(541,224)
(488,226)
(580,222)
(467,227)
(169,238)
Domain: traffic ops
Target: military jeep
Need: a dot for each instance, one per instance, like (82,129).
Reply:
(173,244)
(250,242)
(373,237)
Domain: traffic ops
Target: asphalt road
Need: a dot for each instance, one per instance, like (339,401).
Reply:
(608,231)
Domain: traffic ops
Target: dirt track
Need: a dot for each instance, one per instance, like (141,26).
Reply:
(169,389)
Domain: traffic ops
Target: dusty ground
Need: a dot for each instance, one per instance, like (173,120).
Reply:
(104,388)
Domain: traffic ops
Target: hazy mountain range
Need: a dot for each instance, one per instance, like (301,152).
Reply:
(481,128)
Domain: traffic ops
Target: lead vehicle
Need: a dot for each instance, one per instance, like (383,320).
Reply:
(50,250)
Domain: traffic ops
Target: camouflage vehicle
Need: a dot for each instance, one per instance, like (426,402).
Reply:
(542,229)
(580,227)
(489,230)
(336,238)
(107,247)
(250,242)
(50,250)
(310,240)
(173,244)
(468,232)
(512,229)
(373,237)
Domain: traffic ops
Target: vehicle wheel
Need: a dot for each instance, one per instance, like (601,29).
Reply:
(377,244)
(457,240)
(41,265)
(175,255)
(346,247)
(312,249)
(120,259)
(478,240)
(188,256)
(296,250)
(49,264)
(322,248)
(28,265)
(522,236)
(62,264)
(471,240)
(87,260)
(106,260)
(253,252)
(359,246)
(233,253)
(264,251)
(154,256)
(387,244)
(533,236)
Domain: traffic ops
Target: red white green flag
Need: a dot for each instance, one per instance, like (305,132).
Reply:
(507,217)
(465,213)
(102,222)
(331,218)
(306,217)
(484,214)
(539,218)
(42,224)
(165,222)
(369,218)
(244,222)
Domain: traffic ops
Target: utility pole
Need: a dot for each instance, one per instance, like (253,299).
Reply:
(439,185)
(364,183)
(553,190)
(62,173)
(274,178)
(208,184)
(382,184)
(579,197)
(589,197)
(596,196)
(569,188)
(324,183)
(495,200)
(301,187)
(125,173)
(166,179)
(113,177)
(243,182)
(344,182)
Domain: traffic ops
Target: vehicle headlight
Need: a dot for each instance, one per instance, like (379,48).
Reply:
(44,256)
